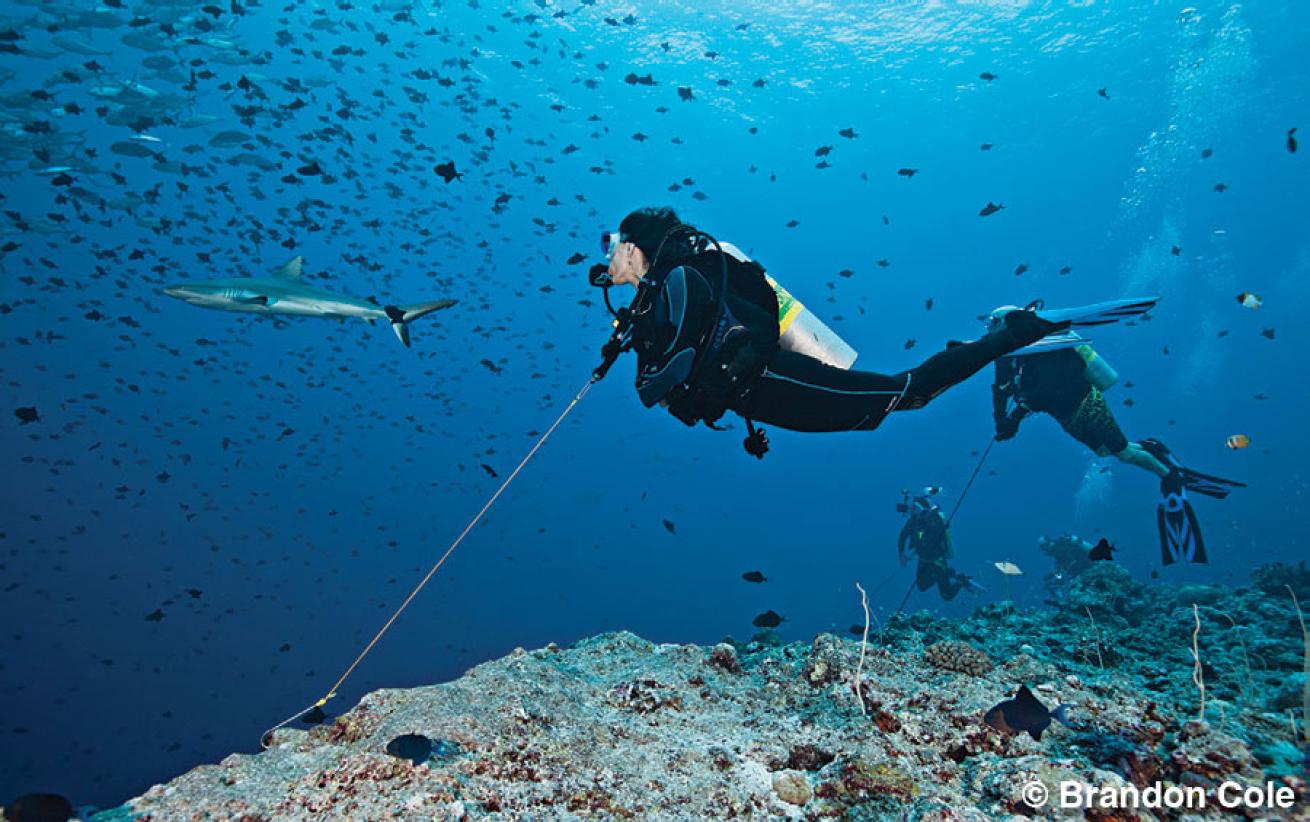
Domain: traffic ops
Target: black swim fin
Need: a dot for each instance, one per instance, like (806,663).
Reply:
(1180,533)
(1204,484)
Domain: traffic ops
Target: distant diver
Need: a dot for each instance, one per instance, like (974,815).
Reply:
(706,327)
(286,293)
(927,535)
(1064,377)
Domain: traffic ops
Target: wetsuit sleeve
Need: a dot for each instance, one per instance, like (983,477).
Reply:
(906,530)
(1006,412)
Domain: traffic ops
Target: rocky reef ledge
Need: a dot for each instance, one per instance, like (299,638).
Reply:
(618,727)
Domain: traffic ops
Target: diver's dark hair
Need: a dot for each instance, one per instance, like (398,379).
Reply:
(646,228)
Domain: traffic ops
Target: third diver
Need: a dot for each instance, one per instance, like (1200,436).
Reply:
(927,535)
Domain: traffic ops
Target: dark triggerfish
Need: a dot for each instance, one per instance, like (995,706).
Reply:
(1024,713)
(414,747)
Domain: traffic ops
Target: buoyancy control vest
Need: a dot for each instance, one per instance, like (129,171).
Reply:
(711,327)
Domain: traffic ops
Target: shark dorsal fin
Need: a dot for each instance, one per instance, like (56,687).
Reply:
(291,270)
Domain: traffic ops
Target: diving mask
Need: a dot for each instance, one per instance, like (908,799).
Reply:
(609,243)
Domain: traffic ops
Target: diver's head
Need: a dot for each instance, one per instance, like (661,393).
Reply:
(996,319)
(638,240)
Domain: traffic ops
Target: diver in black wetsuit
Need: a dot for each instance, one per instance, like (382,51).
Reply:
(1068,385)
(927,535)
(705,328)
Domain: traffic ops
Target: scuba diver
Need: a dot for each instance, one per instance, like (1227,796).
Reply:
(1064,377)
(706,328)
(927,535)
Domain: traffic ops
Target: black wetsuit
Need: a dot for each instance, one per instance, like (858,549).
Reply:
(925,534)
(1054,383)
(801,393)
(765,383)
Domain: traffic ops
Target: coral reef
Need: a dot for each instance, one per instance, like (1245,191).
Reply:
(961,657)
(619,728)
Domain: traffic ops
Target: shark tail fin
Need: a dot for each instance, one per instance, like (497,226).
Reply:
(401,317)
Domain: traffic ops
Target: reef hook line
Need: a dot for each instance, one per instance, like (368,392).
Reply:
(969,484)
(332,692)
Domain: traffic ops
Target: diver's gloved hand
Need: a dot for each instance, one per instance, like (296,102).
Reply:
(1024,327)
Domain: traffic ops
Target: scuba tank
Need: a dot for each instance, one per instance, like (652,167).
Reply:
(799,329)
(1098,372)
(803,332)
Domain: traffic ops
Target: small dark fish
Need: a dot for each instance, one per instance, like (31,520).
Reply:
(577,258)
(849,133)
(927,304)
(1068,269)
(823,151)
(156,615)
(491,472)
(990,209)
(1175,251)
(1221,187)
(1267,333)
(754,576)
(39,807)
(907,172)
(1101,91)
(985,147)
(639,80)
(1291,141)
(684,94)
(1206,153)
(884,263)
(910,343)
(414,747)
(1024,714)
(670,527)
(1102,551)
(1020,269)
(987,75)
(26,415)
(447,171)
(768,619)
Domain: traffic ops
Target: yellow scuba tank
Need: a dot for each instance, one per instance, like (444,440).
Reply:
(1098,372)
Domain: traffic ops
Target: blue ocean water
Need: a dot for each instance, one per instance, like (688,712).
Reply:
(215,512)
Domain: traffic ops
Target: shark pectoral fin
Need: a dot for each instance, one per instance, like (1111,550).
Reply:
(256,299)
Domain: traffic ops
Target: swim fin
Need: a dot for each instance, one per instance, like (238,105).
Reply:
(1104,313)
(1180,534)
(1052,342)
(1205,484)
